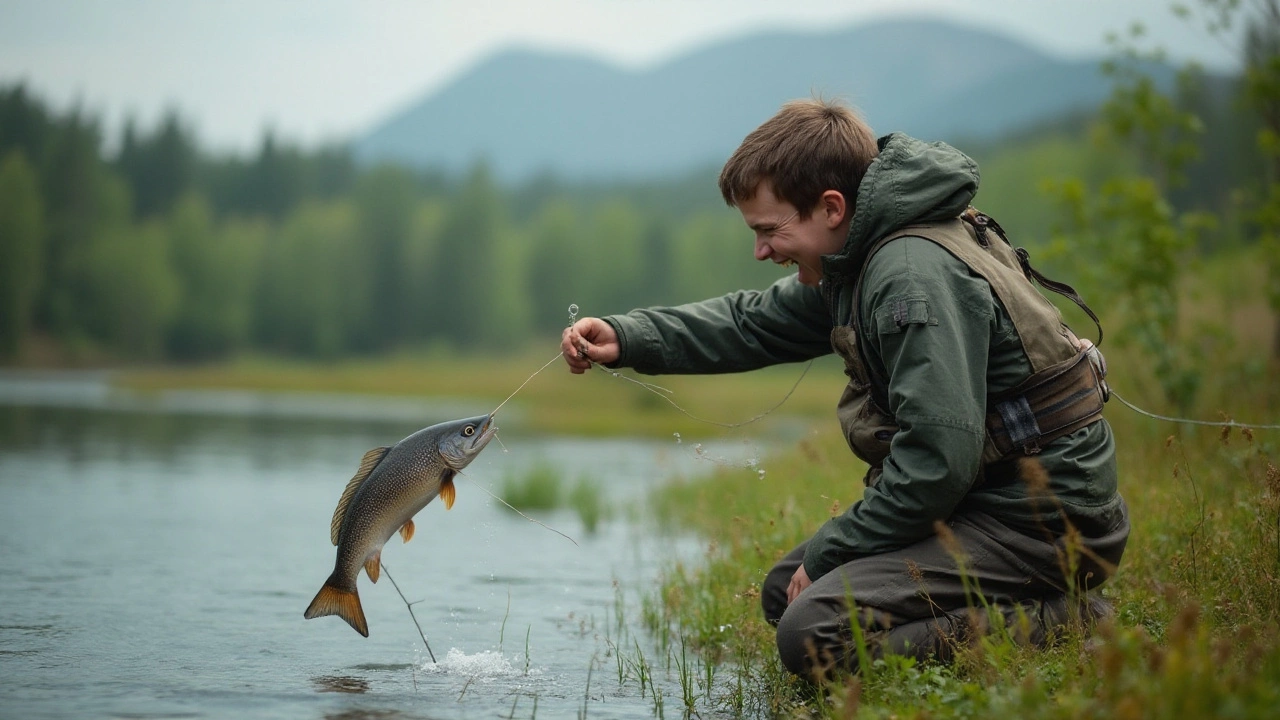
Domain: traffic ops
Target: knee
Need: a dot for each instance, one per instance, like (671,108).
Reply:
(793,644)
(805,632)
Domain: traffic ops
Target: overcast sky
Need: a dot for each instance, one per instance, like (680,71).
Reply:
(319,70)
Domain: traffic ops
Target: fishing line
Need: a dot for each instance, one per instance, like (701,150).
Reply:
(526,517)
(526,381)
(409,605)
(658,390)
(673,404)
(665,394)
(1186,421)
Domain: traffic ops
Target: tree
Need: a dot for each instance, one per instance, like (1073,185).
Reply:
(309,300)
(1141,245)
(217,269)
(1262,93)
(82,198)
(712,254)
(385,200)
(21,250)
(464,274)
(616,242)
(420,262)
(25,125)
(130,289)
(557,270)
(160,168)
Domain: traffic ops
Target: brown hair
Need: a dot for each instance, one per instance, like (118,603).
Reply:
(807,148)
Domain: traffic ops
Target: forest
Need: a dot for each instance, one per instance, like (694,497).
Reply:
(150,248)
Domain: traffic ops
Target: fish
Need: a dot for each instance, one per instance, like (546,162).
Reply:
(392,484)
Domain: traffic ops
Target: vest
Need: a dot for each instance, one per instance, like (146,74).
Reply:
(1064,393)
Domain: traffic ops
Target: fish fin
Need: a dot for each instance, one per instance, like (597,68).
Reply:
(447,491)
(373,565)
(345,604)
(406,531)
(367,464)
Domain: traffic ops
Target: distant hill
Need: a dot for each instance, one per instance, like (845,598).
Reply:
(527,112)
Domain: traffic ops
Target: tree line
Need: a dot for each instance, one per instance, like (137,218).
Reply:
(160,250)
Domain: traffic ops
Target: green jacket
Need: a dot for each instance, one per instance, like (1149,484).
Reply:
(940,372)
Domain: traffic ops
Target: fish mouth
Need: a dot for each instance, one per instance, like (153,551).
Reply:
(487,431)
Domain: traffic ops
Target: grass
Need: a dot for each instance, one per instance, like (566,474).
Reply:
(540,487)
(1198,594)
(587,500)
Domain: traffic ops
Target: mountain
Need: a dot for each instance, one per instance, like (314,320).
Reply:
(527,112)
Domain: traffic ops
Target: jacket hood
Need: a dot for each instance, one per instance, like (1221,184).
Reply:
(908,183)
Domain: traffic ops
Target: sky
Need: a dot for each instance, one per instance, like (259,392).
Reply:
(318,71)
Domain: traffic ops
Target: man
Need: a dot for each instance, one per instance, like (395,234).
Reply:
(992,477)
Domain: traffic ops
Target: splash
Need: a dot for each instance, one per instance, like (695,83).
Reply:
(485,665)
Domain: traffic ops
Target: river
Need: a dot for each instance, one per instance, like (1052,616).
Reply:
(157,552)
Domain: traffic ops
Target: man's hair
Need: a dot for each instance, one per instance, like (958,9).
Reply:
(807,148)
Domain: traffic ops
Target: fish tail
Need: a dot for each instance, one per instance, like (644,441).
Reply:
(333,600)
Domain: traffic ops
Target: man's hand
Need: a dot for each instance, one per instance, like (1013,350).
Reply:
(799,582)
(589,340)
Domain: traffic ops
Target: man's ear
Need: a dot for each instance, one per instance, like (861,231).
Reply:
(834,208)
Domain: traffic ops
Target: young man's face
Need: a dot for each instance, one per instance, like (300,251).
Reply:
(782,237)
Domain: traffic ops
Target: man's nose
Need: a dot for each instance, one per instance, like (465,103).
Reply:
(762,249)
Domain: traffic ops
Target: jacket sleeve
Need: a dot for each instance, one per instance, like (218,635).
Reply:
(927,323)
(743,330)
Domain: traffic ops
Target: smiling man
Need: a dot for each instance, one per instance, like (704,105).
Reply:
(991,476)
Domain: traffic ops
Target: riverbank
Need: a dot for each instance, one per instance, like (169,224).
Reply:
(554,402)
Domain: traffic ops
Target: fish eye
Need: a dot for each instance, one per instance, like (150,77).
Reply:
(469,430)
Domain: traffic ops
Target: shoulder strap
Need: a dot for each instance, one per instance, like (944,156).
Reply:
(981,222)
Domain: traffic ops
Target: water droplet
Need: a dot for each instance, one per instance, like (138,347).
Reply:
(761,474)
(698,448)
(573,311)
(677,437)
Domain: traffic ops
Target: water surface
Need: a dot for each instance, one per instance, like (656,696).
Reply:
(158,551)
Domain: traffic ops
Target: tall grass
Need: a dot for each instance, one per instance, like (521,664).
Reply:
(535,488)
(540,487)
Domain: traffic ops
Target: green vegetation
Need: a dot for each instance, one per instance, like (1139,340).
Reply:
(537,488)
(163,252)
(588,501)
(540,487)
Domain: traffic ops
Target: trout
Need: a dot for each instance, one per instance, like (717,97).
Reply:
(391,486)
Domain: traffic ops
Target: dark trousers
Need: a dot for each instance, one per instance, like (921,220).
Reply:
(917,601)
